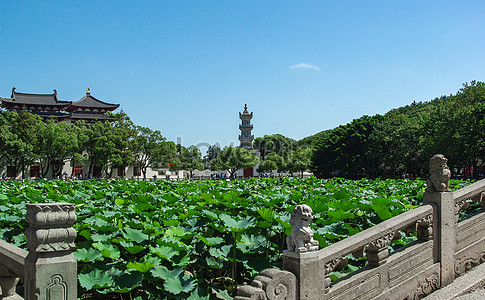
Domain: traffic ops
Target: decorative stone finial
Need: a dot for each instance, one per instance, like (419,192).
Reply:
(270,284)
(440,174)
(301,238)
(50,227)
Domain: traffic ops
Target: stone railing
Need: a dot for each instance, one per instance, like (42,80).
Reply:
(48,269)
(444,249)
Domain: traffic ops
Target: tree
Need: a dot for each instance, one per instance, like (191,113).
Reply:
(125,139)
(151,150)
(56,143)
(397,144)
(17,139)
(271,163)
(344,149)
(276,143)
(191,159)
(232,159)
(299,160)
(212,152)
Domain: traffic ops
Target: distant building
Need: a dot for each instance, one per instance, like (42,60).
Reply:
(245,138)
(47,106)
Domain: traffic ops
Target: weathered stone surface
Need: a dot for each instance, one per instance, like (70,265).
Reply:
(50,267)
(445,232)
(301,238)
(50,227)
(8,285)
(440,174)
(270,284)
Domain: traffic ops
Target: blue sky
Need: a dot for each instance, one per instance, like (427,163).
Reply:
(187,68)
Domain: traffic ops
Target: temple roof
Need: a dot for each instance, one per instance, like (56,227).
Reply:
(89,101)
(90,116)
(35,99)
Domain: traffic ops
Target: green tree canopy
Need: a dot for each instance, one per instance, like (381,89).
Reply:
(232,159)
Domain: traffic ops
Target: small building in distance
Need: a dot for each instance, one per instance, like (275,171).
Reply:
(48,106)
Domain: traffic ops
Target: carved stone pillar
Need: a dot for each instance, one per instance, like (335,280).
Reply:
(50,267)
(444,225)
(444,232)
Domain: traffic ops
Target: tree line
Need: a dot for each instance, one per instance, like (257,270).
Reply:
(403,140)
(25,140)
(399,142)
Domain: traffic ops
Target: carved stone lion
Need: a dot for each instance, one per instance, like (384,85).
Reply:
(440,174)
(301,238)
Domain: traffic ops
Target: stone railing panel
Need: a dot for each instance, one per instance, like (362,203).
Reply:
(12,258)
(470,231)
(401,276)
(373,242)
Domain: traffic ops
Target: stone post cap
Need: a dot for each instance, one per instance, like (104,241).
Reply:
(50,215)
(50,227)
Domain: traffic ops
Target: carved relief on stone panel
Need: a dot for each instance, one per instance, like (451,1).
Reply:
(382,242)
(465,263)
(429,285)
(56,289)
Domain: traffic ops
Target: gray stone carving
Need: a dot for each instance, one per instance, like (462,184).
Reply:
(50,267)
(440,174)
(270,284)
(301,238)
(377,252)
(425,228)
(8,286)
(465,263)
(50,227)
(429,285)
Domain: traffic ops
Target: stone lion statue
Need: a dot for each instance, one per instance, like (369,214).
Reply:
(301,238)
(440,174)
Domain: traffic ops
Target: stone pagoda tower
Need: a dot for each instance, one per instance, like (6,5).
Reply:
(246,139)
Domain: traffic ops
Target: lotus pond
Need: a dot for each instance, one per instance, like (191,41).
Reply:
(199,239)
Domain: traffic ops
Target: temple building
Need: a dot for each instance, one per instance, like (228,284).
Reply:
(47,106)
(245,138)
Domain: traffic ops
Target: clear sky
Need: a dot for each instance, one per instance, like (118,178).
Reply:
(187,68)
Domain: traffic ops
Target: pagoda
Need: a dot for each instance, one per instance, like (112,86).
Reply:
(245,138)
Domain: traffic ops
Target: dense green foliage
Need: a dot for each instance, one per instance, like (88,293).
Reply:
(282,154)
(196,239)
(26,140)
(403,140)
(232,159)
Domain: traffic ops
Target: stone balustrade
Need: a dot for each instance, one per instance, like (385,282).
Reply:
(48,269)
(444,249)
